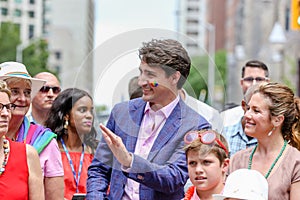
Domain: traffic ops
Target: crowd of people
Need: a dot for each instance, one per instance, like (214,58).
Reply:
(161,144)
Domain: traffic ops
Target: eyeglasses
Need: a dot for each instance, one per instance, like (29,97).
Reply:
(9,106)
(46,89)
(206,137)
(257,79)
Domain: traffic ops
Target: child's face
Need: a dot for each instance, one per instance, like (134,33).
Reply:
(205,172)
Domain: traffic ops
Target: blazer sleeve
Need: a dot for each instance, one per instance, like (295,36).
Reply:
(99,171)
(170,176)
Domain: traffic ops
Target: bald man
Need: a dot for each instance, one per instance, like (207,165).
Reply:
(42,101)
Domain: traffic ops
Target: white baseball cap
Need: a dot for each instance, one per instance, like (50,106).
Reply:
(245,184)
(18,70)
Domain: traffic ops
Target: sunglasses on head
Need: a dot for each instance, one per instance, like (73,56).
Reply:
(46,89)
(207,137)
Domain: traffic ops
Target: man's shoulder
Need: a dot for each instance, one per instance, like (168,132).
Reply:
(232,116)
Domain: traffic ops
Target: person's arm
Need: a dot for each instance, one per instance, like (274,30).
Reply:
(53,171)
(99,171)
(295,191)
(35,180)
(54,187)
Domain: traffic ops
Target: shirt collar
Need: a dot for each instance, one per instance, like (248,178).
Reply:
(167,110)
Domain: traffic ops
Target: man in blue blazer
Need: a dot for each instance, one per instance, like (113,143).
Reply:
(141,155)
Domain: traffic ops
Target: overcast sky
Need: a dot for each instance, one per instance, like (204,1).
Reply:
(116,18)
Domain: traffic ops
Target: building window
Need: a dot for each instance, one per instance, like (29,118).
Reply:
(57,55)
(31,14)
(18,13)
(32,1)
(192,33)
(193,9)
(4,11)
(192,21)
(31,31)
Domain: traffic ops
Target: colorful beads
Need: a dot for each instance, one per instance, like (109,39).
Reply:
(6,154)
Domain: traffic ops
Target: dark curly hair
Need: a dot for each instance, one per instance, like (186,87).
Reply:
(169,55)
(62,106)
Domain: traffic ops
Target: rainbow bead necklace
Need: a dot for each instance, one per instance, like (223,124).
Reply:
(273,164)
(6,154)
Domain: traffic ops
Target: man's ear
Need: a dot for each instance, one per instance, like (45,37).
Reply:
(244,105)
(175,77)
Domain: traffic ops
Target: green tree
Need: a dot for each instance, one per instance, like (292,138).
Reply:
(198,78)
(9,39)
(35,56)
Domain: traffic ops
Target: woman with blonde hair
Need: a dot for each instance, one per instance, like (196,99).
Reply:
(20,167)
(273,119)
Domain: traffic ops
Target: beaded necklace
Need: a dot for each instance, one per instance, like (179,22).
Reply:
(273,164)
(6,154)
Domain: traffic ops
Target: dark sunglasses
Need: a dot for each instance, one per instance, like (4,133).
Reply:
(46,89)
(8,107)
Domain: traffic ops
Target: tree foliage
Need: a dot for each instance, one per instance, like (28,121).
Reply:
(198,78)
(34,57)
(9,39)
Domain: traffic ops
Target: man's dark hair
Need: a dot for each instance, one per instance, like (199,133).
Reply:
(169,55)
(255,64)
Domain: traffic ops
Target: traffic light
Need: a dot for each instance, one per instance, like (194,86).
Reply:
(295,14)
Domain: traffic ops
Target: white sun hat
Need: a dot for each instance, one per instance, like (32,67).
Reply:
(245,184)
(18,70)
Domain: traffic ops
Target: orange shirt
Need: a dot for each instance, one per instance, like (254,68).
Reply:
(70,184)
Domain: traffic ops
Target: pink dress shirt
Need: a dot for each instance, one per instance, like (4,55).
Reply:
(152,123)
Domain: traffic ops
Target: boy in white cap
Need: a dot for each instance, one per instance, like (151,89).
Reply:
(244,184)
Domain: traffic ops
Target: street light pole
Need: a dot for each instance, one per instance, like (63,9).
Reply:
(211,62)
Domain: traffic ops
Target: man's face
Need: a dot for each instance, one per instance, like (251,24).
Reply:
(166,88)
(43,99)
(252,76)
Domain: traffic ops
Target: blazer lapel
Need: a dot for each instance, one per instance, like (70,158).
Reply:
(168,131)
(136,113)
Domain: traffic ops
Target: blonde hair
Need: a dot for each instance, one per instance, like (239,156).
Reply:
(205,149)
(283,102)
(4,88)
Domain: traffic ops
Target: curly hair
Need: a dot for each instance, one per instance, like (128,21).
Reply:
(61,107)
(169,55)
(283,102)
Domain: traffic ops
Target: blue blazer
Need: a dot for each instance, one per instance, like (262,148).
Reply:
(163,174)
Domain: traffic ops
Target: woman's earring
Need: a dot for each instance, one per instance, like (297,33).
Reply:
(270,133)
(66,124)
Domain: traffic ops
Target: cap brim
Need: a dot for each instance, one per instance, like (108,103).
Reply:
(219,197)
(36,84)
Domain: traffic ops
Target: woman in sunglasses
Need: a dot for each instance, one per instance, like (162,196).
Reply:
(23,87)
(207,159)
(71,117)
(20,162)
